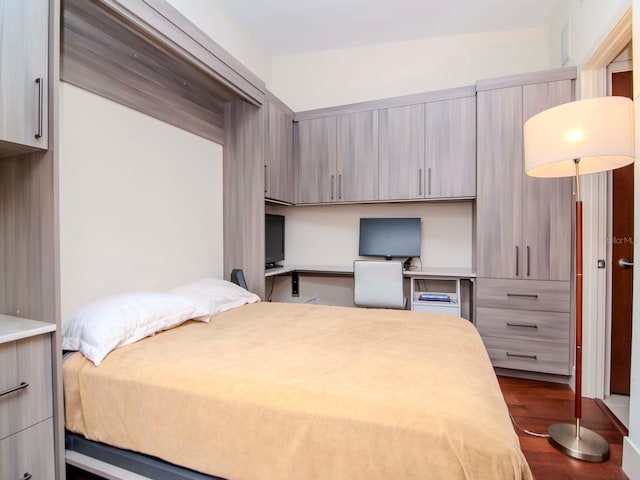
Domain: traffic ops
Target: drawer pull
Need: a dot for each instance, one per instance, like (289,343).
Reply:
(524,325)
(26,476)
(14,389)
(522,355)
(524,295)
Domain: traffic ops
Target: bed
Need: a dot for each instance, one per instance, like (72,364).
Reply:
(296,391)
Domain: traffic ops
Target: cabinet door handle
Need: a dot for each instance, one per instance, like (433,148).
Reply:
(523,325)
(333,186)
(340,187)
(525,295)
(40,106)
(420,182)
(14,389)
(26,476)
(517,261)
(528,261)
(429,181)
(522,355)
(266,176)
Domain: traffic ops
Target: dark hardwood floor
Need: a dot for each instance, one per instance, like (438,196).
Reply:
(536,405)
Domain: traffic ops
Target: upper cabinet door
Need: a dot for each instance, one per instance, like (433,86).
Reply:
(500,171)
(23,72)
(279,164)
(451,148)
(357,157)
(317,182)
(401,155)
(547,201)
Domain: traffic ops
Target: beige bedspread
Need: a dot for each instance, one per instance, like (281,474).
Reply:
(284,391)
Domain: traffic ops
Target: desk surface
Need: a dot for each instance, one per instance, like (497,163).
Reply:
(454,272)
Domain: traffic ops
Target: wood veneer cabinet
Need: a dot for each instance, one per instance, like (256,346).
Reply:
(279,182)
(401,156)
(523,223)
(24,48)
(317,157)
(357,157)
(26,399)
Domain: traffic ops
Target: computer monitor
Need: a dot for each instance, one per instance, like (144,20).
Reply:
(390,237)
(273,239)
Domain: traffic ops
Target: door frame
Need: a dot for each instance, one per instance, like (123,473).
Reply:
(616,67)
(595,191)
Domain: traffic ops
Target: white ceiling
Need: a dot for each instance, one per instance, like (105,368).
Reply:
(294,26)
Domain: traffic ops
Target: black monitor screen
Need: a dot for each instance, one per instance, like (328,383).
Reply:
(390,237)
(273,239)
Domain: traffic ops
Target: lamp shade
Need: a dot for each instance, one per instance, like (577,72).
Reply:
(599,132)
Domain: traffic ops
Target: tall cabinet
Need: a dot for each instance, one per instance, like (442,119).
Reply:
(29,258)
(523,225)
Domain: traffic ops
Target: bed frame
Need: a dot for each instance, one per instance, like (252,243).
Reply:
(120,464)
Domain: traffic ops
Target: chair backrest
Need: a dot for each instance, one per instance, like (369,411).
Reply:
(378,284)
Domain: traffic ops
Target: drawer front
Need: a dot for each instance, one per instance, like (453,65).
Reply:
(28,361)
(530,355)
(445,309)
(29,452)
(524,324)
(548,296)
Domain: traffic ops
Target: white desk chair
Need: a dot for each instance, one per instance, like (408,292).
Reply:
(378,284)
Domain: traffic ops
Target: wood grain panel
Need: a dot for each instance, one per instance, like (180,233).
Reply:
(317,176)
(23,59)
(499,182)
(524,324)
(29,452)
(28,237)
(103,54)
(543,76)
(401,101)
(243,196)
(547,202)
(357,157)
(29,361)
(525,354)
(451,148)
(549,296)
(401,152)
(279,174)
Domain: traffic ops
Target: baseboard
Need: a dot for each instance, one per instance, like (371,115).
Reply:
(630,459)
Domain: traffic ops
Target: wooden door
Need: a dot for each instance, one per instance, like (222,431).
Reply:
(357,157)
(401,155)
(499,183)
(451,148)
(622,249)
(279,174)
(317,167)
(546,246)
(23,72)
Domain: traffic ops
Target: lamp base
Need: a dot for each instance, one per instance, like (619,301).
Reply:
(589,446)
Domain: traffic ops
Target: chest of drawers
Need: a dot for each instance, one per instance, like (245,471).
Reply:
(26,400)
(526,324)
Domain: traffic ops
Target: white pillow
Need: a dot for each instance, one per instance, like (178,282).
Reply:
(218,295)
(118,320)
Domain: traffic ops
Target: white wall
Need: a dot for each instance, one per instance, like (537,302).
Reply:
(140,201)
(209,16)
(336,77)
(328,235)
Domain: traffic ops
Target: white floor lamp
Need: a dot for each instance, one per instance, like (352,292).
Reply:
(578,138)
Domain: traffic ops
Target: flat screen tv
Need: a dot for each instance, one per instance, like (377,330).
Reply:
(390,237)
(273,239)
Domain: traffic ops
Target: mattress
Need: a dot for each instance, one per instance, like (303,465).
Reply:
(291,391)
